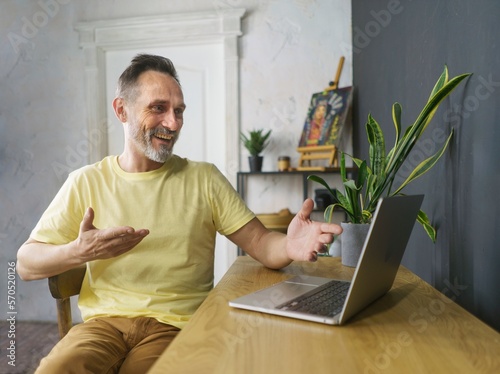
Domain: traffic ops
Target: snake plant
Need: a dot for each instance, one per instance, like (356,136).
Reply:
(376,179)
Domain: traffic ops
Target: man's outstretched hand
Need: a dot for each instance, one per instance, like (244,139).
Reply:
(306,238)
(93,243)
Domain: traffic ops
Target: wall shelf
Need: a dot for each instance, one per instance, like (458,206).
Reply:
(242,177)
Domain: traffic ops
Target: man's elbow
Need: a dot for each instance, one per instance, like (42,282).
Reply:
(21,271)
(21,268)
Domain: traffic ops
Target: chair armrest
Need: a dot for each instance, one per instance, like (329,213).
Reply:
(67,284)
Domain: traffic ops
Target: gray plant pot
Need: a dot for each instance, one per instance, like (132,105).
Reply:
(335,249)
(353,239)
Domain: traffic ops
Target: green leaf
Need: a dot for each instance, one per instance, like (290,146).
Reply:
(377,146)
(413,132)
(343,172)
(425,165)
(321,181)
(396,119)
(256,141)
(443,78)
(350,184)
(367,216)
(362,175)
(434,101)
(329,212)
(426,224)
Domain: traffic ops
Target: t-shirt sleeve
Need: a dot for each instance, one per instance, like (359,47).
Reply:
(60,223)
(230,211)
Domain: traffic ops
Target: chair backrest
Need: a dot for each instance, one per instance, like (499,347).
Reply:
(62,287)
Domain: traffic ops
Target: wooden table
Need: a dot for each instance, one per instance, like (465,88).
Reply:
(412,329)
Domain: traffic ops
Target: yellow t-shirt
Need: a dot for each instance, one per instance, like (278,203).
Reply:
(168,275)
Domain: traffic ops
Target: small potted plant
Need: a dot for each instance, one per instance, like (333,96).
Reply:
(375,179)
(255,143)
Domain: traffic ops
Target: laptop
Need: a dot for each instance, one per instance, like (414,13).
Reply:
(375,272)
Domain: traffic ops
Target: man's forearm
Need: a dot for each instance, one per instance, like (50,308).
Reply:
(267,247)
(37,260)
(271,250)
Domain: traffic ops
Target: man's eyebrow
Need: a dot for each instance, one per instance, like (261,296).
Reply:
(158,102)
(163,102)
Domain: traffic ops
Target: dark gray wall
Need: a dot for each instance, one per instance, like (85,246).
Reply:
(400,49)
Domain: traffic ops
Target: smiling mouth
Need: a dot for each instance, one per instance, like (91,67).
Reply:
(164,136)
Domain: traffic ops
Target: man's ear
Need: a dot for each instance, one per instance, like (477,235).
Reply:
(119,108)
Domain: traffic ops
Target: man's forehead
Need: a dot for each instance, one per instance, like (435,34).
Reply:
(158,86)
(155,78)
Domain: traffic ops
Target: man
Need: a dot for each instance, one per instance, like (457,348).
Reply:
(144,224)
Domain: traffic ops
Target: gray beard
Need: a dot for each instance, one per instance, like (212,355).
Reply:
(144,141)
(160,155)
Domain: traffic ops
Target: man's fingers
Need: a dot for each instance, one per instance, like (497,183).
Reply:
(312,257)
(115,242)
(123,233)
(307,208)
(323,248)
(331,228)
(87,221)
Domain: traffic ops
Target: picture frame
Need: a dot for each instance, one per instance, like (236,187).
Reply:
(326,118)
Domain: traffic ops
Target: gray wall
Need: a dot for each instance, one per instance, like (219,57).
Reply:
(399,50)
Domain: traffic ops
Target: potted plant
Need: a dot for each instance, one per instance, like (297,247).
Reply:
(375,178)
(255,143)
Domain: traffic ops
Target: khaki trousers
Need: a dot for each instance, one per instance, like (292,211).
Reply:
(109,345)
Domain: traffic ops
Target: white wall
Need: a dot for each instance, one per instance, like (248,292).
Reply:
(289,50)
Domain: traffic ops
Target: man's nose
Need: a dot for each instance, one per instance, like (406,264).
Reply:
(171,121)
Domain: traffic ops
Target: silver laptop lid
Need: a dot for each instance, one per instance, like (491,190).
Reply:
(387,238)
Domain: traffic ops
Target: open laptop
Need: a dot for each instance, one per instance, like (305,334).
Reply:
(378,264)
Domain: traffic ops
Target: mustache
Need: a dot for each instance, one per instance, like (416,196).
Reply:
(161,131)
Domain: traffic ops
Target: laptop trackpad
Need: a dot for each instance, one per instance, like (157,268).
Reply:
(279,294)
(275,295)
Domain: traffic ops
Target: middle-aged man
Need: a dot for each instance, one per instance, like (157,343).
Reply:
(144,224)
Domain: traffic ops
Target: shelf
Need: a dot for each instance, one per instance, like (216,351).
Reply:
(243,175)
(297,172)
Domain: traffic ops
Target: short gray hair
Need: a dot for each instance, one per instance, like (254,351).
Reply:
(141,63)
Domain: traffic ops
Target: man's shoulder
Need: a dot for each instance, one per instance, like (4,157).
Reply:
(186,164)
(101,167)
(198,171)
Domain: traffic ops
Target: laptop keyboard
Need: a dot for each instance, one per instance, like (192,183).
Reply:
(325,300)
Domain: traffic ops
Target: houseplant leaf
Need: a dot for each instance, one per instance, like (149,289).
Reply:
(426,224)
(256,141)
(396,119)
(424,166)
(376,178)
(321,181)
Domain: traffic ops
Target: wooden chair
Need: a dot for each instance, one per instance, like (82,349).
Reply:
(62,287)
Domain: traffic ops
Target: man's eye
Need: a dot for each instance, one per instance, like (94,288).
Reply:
(157,108)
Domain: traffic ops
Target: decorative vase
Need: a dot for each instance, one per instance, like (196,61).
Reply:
(353,239)
(255,163)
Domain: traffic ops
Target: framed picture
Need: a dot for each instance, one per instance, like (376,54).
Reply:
(326,118)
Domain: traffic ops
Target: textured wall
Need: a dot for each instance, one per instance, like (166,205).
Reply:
(400,48)
(289,50)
